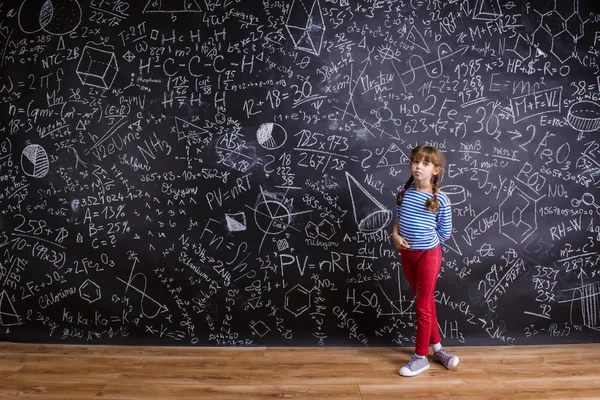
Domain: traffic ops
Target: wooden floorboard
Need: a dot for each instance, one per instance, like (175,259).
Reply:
(33,371)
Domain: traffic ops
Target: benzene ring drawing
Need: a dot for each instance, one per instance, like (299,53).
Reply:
(517,215)
(55,17)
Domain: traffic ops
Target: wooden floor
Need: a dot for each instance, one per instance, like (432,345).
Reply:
(106,372)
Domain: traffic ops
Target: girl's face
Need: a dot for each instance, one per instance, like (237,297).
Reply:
(423,170)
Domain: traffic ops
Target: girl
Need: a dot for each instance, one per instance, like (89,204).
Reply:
(423,221)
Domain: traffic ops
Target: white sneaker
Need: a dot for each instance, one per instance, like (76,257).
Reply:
(415,366)
(447,359)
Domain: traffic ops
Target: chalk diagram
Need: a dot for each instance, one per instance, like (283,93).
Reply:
(385,114)
(586,298)
(588,199)
(457,195)
(55,17)
(97,67)
(350,110)
(114,128)
(560,28)
(394,156)
(187,130)
(433,69)
(171,6)
(129,56)
(8,314)
(271,214)
(371,216)
(282,244)
(271,136)
(34,161)
(306,26)
(78,160)
(400,306)
(416,63)
(259,328)
(236,222)
(518,215)
(297,300)
(487,10)
(144,296)
(90,291)
(324,230)
(584,116)
(415,37)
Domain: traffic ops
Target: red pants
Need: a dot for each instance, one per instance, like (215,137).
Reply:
(422,268)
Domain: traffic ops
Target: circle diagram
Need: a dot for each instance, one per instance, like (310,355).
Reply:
(271,136)
(34,161)
(272,217)
(55,17)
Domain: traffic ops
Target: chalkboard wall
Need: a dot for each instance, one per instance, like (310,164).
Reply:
(224,172)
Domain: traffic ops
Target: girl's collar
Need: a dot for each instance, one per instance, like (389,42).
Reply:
(412,185)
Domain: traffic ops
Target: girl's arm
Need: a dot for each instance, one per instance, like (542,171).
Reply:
(444,219)
(395,230)
(397,240)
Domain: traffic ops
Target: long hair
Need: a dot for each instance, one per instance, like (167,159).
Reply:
(432,155)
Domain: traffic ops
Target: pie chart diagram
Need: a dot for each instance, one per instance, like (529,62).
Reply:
(34,161)
(272,217)
(271,136)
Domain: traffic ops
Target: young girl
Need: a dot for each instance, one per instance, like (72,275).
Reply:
(423,221)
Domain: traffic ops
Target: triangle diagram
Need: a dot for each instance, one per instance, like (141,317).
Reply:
(487,10)
(415,37)
(369,214)
(8,314)
(393,156)
(453,245)
(187,130)
(236,222)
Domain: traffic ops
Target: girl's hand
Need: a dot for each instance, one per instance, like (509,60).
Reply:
(400,243)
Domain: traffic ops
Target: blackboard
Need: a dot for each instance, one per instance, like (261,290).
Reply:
(224,172)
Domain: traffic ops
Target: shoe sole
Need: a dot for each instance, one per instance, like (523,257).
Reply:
(414,373)
(451,364)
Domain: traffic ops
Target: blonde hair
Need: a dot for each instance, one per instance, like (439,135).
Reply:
(432,155)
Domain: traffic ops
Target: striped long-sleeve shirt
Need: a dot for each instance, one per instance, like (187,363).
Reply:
(421,228)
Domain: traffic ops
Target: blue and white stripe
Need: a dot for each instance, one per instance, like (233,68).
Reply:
(421,228)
